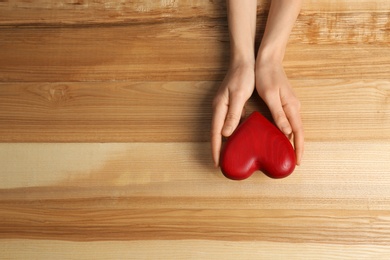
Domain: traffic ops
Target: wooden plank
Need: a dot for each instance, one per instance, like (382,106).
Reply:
(334,175)
(122,53)
(130,50)
(107,53)
(345,110)
(44,12)
(188,249)
(341,61)
(66,112)
(115,192)
(342,27)
(216,224)
(178,111)
(313,27)
(345,5)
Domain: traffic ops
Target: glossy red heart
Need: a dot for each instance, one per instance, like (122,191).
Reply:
(257,144)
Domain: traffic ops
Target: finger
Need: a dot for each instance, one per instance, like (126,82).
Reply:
(299,146)
(296,122)
(298,143)
(275,106)
(219,114)
(233,116)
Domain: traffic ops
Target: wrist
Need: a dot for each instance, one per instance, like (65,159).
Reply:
(270,54)
(240,58)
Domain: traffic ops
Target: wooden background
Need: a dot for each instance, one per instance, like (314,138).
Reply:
(105,110)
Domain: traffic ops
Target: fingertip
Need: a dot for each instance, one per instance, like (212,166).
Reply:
(299,154)
(215,148)
(216,165)
(287,130)
(298,162)
(227,130)
(216,159)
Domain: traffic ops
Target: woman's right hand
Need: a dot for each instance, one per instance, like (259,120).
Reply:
(229,102)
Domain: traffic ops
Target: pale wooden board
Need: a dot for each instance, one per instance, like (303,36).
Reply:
(188,249)
(334,175)
(162,191)
(332,110)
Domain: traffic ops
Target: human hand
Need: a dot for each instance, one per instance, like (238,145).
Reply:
(228,104)
(274,88)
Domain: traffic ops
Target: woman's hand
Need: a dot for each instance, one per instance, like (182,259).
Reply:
(228,104)
(271,82)
(274,88)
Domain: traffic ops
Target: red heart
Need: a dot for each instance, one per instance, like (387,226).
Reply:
(257,144)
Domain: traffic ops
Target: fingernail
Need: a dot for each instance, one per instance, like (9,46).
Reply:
(227,130)
(286,130)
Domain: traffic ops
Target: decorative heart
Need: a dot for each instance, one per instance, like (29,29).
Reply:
(257,144)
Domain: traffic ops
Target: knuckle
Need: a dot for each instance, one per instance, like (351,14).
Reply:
(232,117)
(238,96)
(280,116)
(217,101)
(268,93)
(296,104)
(215,133)
(293,105)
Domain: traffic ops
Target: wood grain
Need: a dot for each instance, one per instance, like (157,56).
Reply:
(188,249)
(350,228)
(178,111)
(169,175)
(141,48)
(41,12)
(105,111)
(178,196)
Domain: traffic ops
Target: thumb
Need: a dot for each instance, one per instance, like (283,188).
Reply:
(278,114)
(233,116)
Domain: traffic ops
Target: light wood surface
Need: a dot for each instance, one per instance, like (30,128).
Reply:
(105,110)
